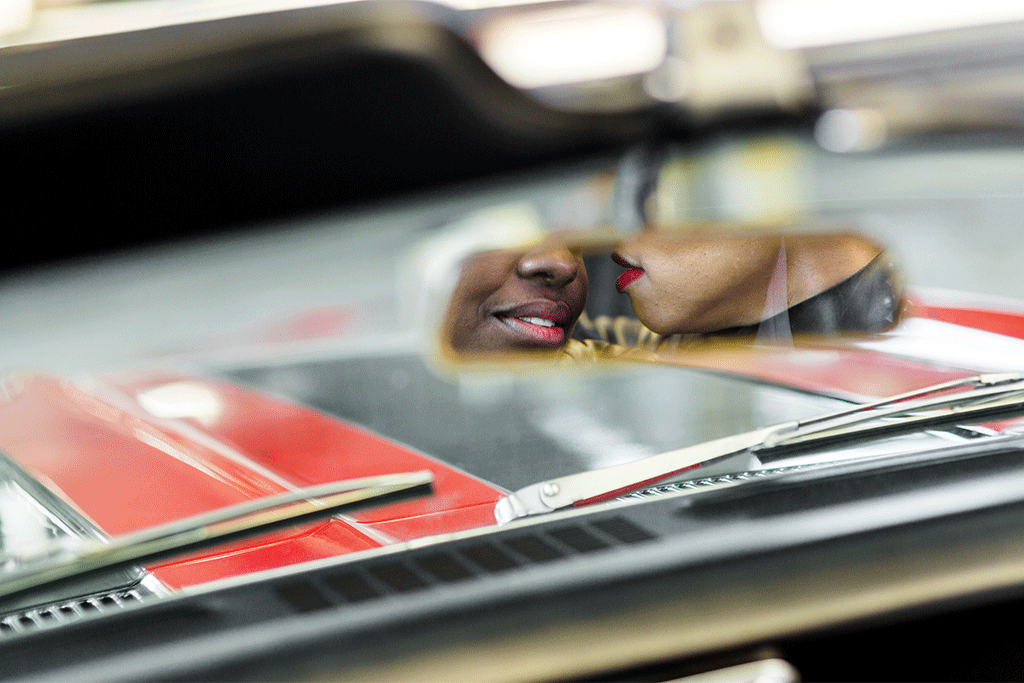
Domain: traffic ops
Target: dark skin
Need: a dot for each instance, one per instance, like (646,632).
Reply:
(517,300)
(695,283)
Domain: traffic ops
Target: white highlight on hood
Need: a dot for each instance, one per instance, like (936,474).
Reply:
(180,400)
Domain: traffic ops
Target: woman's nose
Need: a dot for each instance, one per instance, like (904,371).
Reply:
(555,267)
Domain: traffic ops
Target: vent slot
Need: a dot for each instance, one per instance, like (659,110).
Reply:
(488,558)
(444,568)
(352,587)
(303,597)
(463,561)
(534,549)
(578,538)
(622,530)
(48,616)
(398,577)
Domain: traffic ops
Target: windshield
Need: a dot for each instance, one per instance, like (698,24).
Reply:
(517,430)
(377,256)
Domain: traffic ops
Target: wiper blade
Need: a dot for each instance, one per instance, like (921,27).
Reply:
(61,563)
(994,392)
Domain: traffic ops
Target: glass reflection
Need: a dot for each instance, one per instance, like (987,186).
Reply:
(525,300)
(26,528)
(743,283)
(680,287)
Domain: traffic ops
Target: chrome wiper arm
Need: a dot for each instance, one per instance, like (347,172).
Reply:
(608,482)
(61,563)
(992,391)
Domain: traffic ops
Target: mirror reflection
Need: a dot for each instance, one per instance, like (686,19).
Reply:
(656,289)
(510,299)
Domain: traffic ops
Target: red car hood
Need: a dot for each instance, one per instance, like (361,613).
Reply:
(130,453)
(942,336)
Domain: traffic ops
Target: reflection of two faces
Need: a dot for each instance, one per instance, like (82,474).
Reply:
(514,300)
(676,284)
(531,300)
(509,299)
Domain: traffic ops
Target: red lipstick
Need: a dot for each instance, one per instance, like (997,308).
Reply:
(545,335)
(632,274)
(542,323)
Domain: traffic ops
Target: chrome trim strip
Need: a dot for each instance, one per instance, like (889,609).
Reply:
(217,526)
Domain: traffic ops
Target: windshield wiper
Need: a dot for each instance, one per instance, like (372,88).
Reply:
(61,563)
(994,393)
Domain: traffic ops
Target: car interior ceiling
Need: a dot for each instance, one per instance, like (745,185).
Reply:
(226,140)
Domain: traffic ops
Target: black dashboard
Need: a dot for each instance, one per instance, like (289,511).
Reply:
(856,574)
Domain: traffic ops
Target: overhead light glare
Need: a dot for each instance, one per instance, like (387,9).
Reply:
(795,24)
(560,46)
(15,15)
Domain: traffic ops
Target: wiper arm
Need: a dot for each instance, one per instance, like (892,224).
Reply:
(60,563)
(994,392)
(991,392)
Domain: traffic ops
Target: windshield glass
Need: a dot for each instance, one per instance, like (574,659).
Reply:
(306,286)
(514,430)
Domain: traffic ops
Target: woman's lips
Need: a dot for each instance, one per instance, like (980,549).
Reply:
(541,322)
(542,331)
(631,275)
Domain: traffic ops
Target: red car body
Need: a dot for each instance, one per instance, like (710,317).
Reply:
(93,442)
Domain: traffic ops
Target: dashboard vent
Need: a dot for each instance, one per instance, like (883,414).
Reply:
(480,556)
(67,611)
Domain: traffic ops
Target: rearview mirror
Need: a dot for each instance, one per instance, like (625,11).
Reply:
(654,288)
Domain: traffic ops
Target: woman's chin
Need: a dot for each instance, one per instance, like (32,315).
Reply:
(653,319)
